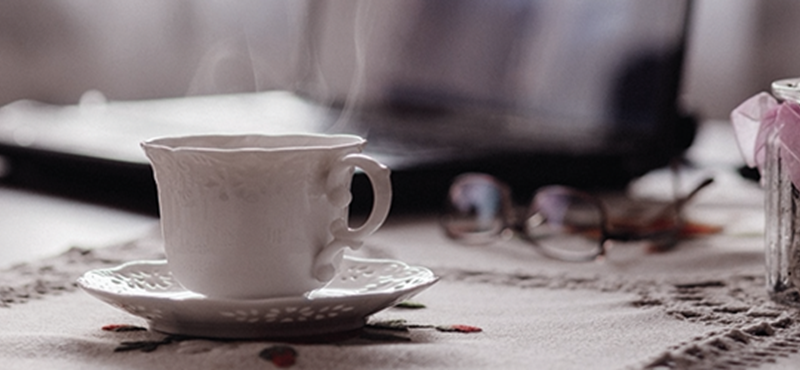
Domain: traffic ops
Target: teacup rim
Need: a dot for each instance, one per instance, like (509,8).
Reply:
(162,142)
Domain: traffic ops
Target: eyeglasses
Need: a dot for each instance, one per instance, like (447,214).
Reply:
(564,223)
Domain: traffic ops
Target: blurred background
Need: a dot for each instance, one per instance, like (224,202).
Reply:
(54,51)
(587,93)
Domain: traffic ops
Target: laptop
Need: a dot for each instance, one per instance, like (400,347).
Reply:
(534,92)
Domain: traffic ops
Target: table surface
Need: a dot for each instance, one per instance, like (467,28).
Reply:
(702,305)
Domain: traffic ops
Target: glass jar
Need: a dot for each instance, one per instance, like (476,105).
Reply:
(782,211)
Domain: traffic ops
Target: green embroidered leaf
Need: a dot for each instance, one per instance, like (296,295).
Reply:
(149,345)
(144,346)
(410,305)
(375,336)
(121,328)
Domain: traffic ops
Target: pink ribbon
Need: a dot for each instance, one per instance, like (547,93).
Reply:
(759,117)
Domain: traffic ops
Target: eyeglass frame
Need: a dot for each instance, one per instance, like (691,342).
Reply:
(511,220)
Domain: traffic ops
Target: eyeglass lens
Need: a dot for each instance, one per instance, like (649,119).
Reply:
(475,213)
(566,224)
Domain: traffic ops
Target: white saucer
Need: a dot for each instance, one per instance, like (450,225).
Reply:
(361,288)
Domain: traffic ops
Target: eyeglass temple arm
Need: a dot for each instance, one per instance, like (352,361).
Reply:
(679,203)
(676,206)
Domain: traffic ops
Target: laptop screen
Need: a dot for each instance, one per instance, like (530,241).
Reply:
(536,91)
(535,76)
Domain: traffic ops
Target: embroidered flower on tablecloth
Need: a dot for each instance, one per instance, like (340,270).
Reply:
(283,355)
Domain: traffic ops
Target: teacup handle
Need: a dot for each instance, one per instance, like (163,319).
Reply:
(343,235)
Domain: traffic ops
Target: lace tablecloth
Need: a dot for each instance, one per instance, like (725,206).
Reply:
(702,305)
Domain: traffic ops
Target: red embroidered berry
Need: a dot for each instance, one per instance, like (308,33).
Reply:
(281,356)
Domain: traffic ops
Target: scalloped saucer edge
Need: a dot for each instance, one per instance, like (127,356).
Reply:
(361,288)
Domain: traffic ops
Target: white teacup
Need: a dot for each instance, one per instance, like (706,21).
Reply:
(258,216)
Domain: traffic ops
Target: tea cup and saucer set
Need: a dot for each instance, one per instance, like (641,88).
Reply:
(255,228)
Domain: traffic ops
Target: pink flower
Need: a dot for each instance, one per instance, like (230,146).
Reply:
(751,125)
(758,118)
